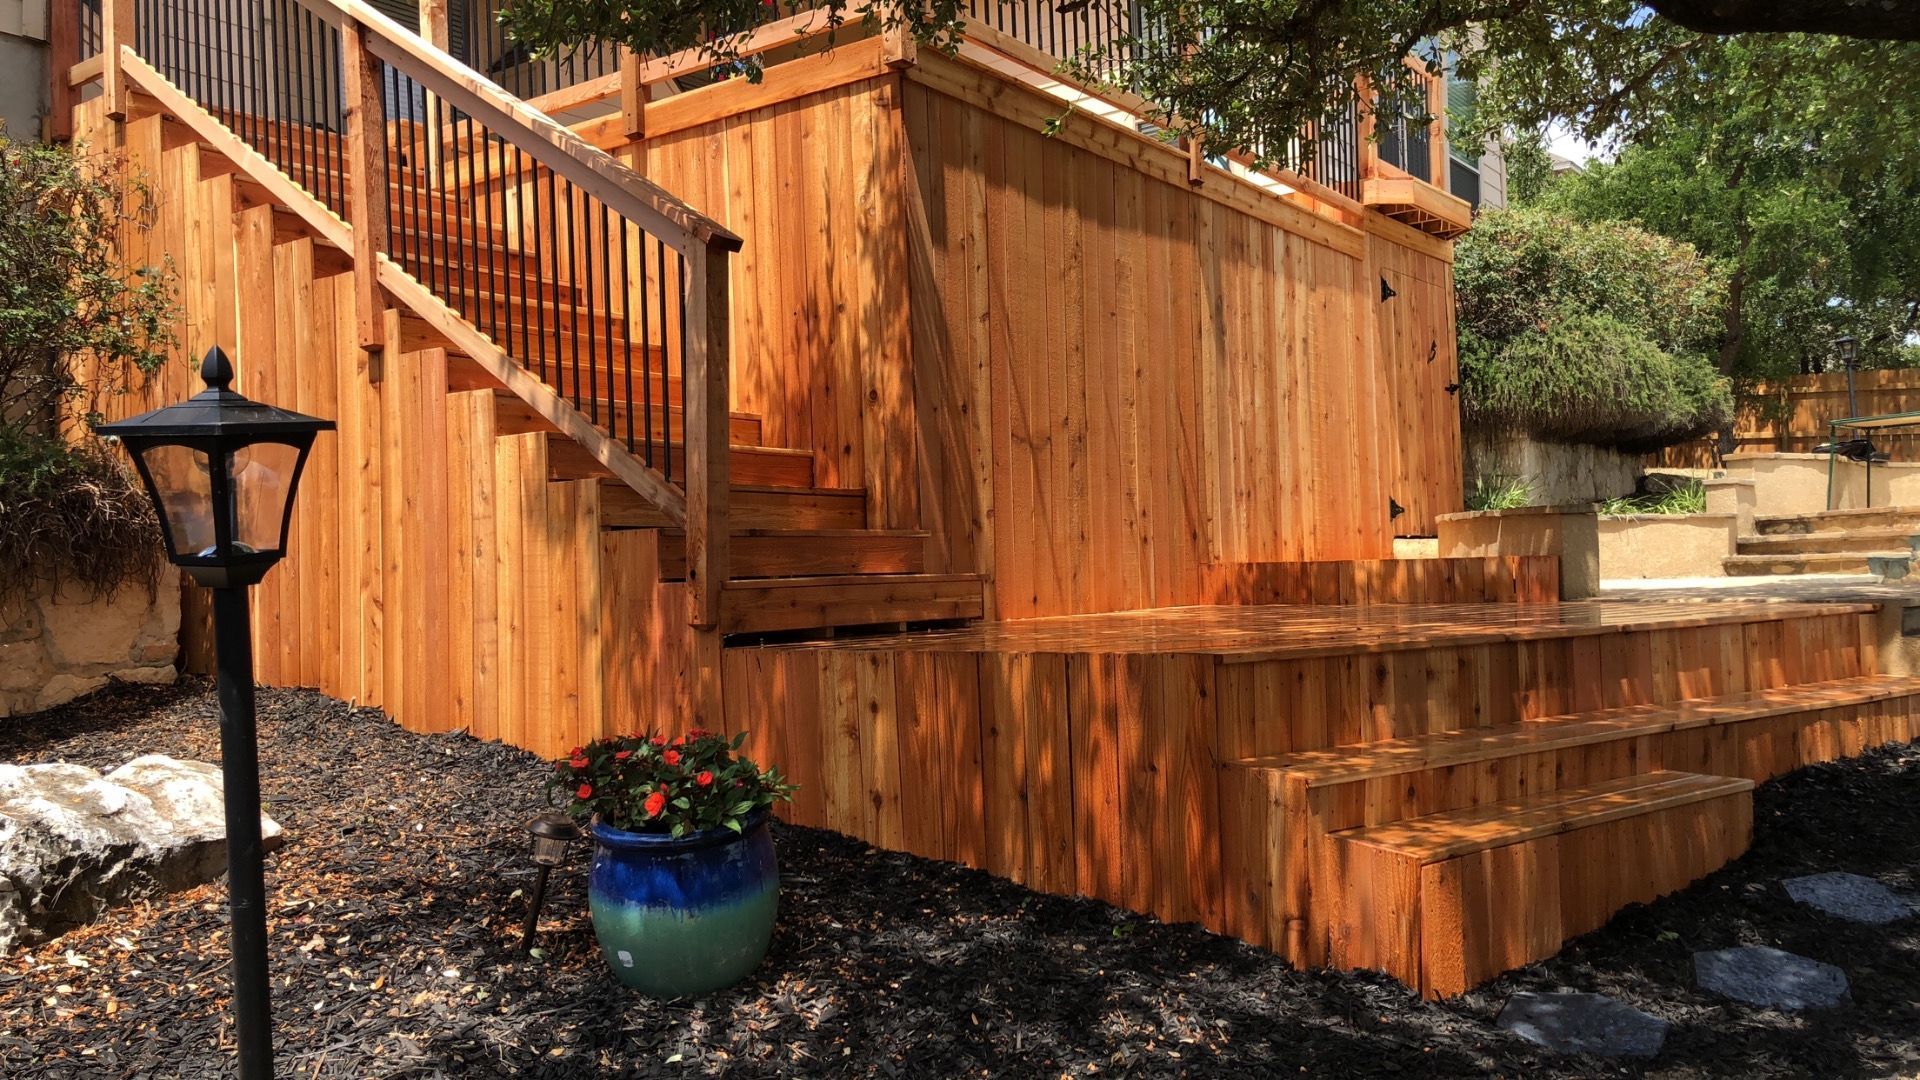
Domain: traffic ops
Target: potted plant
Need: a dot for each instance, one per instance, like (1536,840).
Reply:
(684,885)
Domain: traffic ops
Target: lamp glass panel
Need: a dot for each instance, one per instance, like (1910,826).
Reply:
(181,476)
(262,480)
(549,851)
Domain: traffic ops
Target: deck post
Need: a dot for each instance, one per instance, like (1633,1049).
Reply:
(366,183)
(1437,135)
(63,51)
(1369,164)
(633,95)
(116,29)
(705,390)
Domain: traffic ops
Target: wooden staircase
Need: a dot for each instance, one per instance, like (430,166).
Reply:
(802,557)
(1445,859)
(1877,540)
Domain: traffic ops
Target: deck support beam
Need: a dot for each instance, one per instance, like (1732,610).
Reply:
(366,184)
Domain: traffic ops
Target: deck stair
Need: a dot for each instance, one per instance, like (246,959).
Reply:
(1876,540)
(1447,858)
(803,557)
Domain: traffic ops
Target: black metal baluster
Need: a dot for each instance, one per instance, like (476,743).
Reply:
(572,324)
(605,247)
(681,292)
(584,297)
(646,355)
(626,307)
(538,312)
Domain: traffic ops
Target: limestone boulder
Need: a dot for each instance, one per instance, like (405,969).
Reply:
(74,843)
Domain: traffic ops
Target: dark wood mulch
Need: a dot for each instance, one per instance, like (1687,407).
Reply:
(397,900)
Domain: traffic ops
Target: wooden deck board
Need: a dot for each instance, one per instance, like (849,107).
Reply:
(1244,634)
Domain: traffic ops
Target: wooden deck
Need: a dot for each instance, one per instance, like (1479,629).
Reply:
(1291,632)
(1239,767)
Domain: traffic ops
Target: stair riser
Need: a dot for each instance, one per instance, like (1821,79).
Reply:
(1825,544)
(1884,564)
(1818,524)
(517,416)
(570,461)
(623,508)
(1417,691)
(772,557)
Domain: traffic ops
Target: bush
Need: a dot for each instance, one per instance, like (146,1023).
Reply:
(1588,333)
(76,324)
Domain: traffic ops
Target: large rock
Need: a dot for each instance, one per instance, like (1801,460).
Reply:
(74,843)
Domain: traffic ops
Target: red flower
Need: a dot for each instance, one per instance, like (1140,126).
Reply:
(656,802)
(578,762)
(622,755)
(659,740)
(698,733)
(705,779)
(671,757)
(679,740)
(585,791)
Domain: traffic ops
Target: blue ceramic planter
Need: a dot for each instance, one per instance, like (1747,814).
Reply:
(679,918)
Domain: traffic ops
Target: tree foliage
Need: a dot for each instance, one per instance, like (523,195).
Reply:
(1588,333)
(1815,216)
(74,320)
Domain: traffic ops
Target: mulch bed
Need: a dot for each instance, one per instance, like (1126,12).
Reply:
(396,907)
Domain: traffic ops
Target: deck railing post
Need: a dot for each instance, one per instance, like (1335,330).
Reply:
(116,29)
(633,95)
(1437,135)
(1369,163)
(366,182)
(705,390)
(63,51)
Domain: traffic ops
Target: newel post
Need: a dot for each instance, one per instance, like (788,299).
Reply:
(1368,110)
(366,182)
(706,393)
(1437,134)
(116,29)
(633,94)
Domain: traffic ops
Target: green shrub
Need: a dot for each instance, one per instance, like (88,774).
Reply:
(76,324)
(1496,492)
(1588,333)
(1686,498)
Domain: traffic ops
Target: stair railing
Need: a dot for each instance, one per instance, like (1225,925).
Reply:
(587,289)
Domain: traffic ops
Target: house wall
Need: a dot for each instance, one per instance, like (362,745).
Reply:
(23,66)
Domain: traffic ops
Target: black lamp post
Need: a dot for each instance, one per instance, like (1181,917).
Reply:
(222,471)
(1848,348)
(552,832)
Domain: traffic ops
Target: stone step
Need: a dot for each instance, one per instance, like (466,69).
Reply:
(1832,521)
(1877,539)
(1891,565)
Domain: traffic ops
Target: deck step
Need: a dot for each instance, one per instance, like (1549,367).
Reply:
(1447,901)
(1889,564)
(1831,521)
(516,416)
(809,603)
(1367,762)
(1876,539)
(770,466)
(750,506)
(779,553)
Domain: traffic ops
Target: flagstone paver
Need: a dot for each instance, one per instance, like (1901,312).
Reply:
(1849,896)
(1770,978)
(1573,1023)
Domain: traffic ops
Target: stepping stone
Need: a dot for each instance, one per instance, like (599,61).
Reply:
(1849,896)
(1583,1024)
(1770,978)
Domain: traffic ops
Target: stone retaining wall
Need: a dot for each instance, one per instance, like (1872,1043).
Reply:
(54,648)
